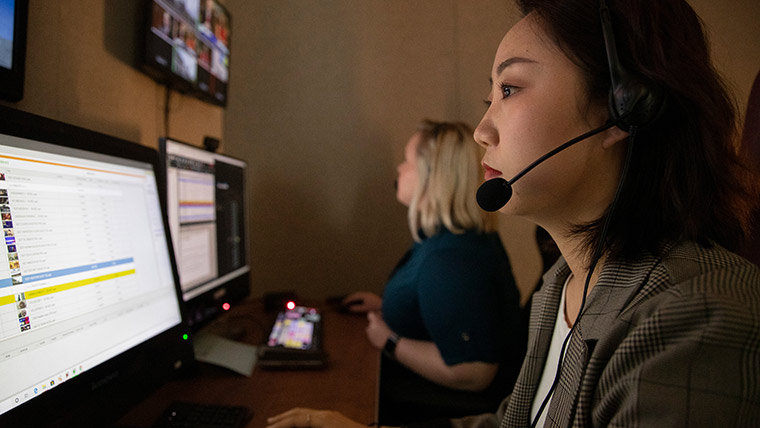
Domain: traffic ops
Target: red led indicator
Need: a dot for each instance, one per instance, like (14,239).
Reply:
(226,306)
(290,305)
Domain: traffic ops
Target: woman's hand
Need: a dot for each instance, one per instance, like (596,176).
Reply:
(310,418)
(362,301)
(377,330)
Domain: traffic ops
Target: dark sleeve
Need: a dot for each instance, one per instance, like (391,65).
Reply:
(485,420)
(461,305)
(435,423)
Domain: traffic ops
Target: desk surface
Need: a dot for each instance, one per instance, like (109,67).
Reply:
(348,385)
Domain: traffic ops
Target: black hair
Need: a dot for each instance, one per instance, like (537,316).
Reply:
(685,180)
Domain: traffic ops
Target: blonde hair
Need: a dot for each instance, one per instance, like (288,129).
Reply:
(449,173)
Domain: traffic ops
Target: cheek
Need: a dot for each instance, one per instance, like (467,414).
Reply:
(527,133)
(518,142)
(405,188)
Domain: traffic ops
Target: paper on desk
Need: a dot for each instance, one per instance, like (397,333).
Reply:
(236,356)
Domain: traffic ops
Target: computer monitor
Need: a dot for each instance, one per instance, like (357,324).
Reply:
(90,316)
(206,206)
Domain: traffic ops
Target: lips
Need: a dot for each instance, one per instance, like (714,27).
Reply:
(490,172)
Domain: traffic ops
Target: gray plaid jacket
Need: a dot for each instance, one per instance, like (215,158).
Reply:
(670,341)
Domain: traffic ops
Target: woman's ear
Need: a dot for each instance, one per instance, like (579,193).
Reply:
(613,135)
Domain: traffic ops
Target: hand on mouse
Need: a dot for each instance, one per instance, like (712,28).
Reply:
(362,301)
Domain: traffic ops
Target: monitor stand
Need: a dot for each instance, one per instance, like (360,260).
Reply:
(219,343)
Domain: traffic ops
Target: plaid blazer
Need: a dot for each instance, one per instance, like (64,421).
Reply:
(668,341)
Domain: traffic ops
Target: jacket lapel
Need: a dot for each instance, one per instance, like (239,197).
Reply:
(562,406)
(542,317)
(618,286)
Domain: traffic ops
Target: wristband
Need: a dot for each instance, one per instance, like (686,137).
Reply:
(390,345)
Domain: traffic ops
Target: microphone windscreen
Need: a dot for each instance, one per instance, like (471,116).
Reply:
(494,194)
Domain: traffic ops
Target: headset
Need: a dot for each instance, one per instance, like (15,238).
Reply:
(634,103)
(632,100)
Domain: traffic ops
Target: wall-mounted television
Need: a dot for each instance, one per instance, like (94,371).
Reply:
(187,46)
(13,16)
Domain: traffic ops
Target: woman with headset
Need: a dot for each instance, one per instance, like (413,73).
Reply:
(648,318)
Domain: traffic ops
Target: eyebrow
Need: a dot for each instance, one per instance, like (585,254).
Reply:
(513,60)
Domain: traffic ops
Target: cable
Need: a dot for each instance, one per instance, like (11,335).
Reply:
(167,96)
(577,139)
(595,260)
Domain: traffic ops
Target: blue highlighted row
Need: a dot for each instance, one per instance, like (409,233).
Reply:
(25,279)
(209,183)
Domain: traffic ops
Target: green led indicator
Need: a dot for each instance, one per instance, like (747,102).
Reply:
(184,336)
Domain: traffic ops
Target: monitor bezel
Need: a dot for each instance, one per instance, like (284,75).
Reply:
(102,394)
(12,80)
(200,310)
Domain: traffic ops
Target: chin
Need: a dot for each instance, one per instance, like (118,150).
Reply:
(507,211)
(514,208)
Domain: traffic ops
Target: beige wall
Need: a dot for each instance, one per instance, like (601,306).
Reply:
(323,96)
(734,30)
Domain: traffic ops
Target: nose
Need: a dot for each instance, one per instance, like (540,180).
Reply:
(485,133)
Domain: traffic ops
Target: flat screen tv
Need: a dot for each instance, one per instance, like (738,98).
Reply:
(13,17)
(89,302)
(205,197)
(187,46)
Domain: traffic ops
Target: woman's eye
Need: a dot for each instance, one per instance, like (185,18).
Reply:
(506,91)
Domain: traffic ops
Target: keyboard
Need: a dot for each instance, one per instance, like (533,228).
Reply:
(197,415)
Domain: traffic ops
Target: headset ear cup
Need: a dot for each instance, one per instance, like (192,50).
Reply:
(640,103)
(651,107)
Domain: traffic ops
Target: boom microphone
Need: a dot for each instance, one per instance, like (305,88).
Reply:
(495,193)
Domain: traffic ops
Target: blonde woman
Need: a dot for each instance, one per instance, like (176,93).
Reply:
(448,320)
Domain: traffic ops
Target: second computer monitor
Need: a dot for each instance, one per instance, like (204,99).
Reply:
(205,198)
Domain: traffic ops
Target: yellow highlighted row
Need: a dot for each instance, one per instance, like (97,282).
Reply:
(7,300)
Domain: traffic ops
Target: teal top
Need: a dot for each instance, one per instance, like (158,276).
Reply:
(457,290)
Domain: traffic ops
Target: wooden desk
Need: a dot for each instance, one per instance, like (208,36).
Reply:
(348,385)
